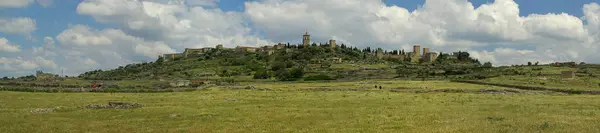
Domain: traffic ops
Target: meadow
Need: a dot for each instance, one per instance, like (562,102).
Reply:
(307,107)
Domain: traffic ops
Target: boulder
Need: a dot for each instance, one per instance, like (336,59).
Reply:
(115,105)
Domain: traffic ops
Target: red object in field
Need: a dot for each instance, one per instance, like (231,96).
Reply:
(97,85)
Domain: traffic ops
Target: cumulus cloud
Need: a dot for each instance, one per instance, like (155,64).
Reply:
(208,3)
(109,47)
(7,47)
(176,24)
(45,3)
(23,3)
(17,25)
(23,65)
(15,3)
(146,28)
(443,25)
(81,48)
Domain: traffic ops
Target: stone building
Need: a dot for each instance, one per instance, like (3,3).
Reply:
(416,54)
(169,57)
(425,51)
(430,57)
(332,43)
(279,46)
(268,50)
(379,53)
(195,51)
(416,51)
(306,39)
(396,56)
(245,49)
(179,83)
(220,47)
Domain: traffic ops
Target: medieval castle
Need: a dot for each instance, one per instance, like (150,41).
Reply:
(414,56)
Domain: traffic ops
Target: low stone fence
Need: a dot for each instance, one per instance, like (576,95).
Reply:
(523,87)
(95,90)
(31,84)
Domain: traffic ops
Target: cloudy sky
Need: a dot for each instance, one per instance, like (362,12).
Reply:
(82,35)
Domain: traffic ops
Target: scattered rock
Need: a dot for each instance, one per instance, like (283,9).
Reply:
(115,105)
(174,115)
(263,89)
(489,91)
(203,115)
(230,99)
(250,88)
(42,110)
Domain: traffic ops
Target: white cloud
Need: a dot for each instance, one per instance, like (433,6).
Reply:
(176,24)
(45,3)
(17,25)
(110,47)
(15,3)
(7,47)
(208,3)
(83,36)
(22,65)
(147,28)
(81,48)
(442,25)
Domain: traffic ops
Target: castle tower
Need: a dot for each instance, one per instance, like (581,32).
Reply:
(220,46)
(332,43)
(416,51)
(306,40)
(425,51)
(379,53)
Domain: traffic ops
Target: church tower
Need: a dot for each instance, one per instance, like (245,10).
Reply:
(306,40)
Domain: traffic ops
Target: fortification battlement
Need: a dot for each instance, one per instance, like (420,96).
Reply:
(414,56)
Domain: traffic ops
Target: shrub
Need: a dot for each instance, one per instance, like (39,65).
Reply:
(325,64)
(319,77)
(261,74)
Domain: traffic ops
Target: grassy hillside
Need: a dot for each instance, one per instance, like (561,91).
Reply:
(288,64)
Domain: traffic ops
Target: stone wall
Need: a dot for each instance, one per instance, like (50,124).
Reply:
(567,74)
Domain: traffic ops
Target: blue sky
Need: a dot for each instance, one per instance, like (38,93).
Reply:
(54,19)
(504,46)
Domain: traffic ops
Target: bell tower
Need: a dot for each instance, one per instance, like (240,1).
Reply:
(306,39)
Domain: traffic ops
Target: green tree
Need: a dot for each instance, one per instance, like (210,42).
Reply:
(528,63)
(297,73)
(278,65)
(487,64)
(282,74)
(225,73)
(261,74)
(290,74)
(325,64)
(463,56)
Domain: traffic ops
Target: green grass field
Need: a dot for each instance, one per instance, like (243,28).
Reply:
(548,76)
(579,83)
(288,108)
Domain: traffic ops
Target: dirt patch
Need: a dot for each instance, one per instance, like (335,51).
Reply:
(248,88)
(334,89)
(174,115)
(482,91)
(230,99)
(114,105)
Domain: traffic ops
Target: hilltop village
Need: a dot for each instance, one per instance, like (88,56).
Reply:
(414,56)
